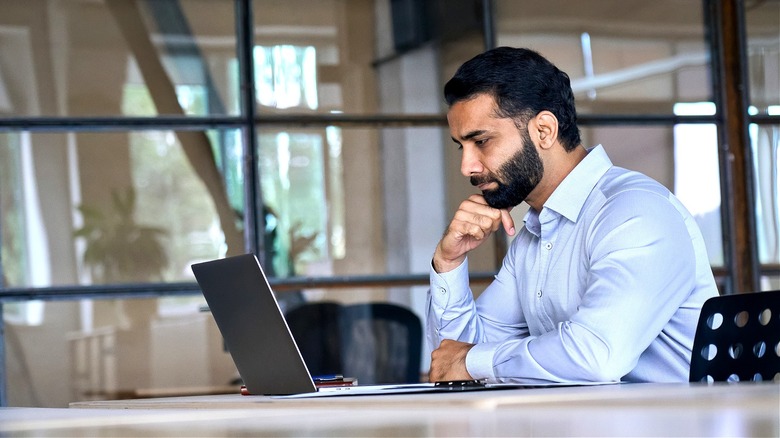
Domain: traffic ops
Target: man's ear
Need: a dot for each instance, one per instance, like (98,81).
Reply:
(545,129)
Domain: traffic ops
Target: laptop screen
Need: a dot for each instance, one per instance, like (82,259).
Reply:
(252,325)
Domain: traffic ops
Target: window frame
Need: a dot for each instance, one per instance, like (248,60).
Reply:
(725,29)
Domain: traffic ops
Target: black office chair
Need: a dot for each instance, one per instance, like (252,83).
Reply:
(316,329)
(375,342)
(738,339)
(382,343)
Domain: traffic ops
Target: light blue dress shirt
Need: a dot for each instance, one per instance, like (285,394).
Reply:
(606,283)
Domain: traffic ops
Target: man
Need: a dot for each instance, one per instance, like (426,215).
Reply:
(605,280)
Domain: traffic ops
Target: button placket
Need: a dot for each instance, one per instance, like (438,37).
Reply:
(548,234)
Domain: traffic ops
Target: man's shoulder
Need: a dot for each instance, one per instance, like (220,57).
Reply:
(623,195)
(619,181)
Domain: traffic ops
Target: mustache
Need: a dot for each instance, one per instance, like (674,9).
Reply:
(481,179)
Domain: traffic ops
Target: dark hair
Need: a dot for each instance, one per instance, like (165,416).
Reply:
(524,83)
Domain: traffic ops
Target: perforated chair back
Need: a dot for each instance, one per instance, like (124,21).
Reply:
(738,339)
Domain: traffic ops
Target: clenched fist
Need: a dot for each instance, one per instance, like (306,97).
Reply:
(448,362)
(473,223)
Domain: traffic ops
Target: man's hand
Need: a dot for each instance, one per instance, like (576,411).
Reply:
(448,362)
(473,223)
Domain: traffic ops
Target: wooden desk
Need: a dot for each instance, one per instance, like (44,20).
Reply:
(615,410)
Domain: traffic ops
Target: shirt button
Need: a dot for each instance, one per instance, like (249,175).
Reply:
(442,290)
(539,294)
(548,245)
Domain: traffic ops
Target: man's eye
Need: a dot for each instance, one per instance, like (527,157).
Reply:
(480,142)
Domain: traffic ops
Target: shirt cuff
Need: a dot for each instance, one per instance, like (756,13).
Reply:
(443,284)
(479,361)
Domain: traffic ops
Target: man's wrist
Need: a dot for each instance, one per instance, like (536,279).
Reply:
(441,268)
(441,265)
(479,361)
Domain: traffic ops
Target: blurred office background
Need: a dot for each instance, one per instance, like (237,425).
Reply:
(140,136)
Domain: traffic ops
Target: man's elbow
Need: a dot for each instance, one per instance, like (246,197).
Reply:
(608,371)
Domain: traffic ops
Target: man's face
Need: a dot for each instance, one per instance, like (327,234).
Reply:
(500,159)
(515,179)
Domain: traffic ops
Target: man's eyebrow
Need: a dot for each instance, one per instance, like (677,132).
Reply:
(470,135)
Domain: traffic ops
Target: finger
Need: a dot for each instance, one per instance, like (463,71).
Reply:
(478,199)
(433,372)
(478,204)
(476,224)
(481,214)
(465,231)
(508,222)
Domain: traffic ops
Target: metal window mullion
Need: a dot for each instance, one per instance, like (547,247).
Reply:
(254,222)
(730,87)
(489,24)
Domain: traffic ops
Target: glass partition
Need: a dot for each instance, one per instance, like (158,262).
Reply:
(113,349)
(345,200)
(765,141)
(118,207)
(332,56)
(623,57)
(80,58)
(762,22)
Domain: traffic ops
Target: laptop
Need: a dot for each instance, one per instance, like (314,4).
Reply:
(257,336)
(262,346)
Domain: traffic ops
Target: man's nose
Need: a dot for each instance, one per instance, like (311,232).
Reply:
(470,163)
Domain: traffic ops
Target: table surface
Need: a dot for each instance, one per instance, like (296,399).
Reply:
(744,409)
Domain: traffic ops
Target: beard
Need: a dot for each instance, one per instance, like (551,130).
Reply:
(516,178)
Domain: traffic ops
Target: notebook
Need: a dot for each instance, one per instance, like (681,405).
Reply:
(261,344)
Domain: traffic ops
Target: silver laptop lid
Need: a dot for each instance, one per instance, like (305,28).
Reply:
(252,325)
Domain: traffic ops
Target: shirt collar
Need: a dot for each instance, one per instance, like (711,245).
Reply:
(569,197)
